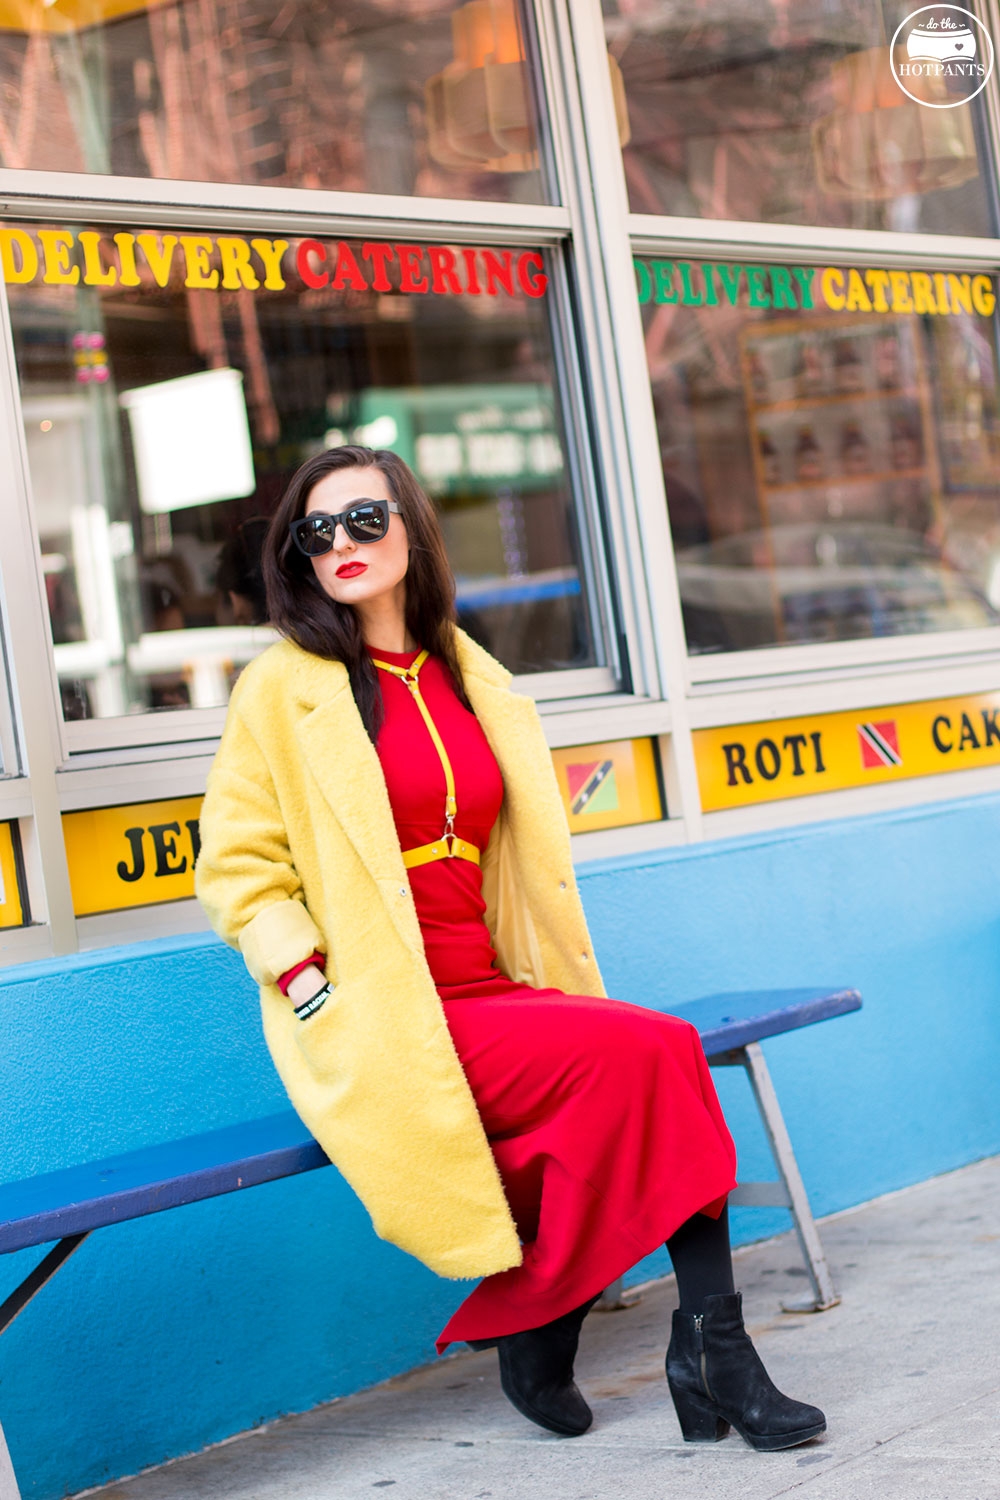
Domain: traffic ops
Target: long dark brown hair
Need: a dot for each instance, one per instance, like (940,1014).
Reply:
(299,609)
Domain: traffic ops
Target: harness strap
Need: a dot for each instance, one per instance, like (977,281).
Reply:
(428,853)
(448,846)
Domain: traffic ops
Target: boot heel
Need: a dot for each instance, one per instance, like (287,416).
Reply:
(700,1422)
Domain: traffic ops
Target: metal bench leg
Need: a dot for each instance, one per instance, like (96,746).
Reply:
(9,1309)
(36,1279)
(824,1293)
(8,1484)
(615,1297)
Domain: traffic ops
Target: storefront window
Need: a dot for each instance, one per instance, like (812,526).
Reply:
(430,98)
(830,440)
(769,112)
(171,384)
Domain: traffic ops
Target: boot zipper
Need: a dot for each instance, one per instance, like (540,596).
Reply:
(702,1357)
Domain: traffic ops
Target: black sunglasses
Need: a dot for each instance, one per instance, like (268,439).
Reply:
(366,521)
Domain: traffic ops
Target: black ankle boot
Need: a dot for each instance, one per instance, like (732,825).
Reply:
(716,1379)
(536,1373)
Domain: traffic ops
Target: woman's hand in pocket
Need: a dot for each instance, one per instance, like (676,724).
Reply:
(306,984)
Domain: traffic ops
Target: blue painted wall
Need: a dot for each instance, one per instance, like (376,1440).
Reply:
(163,1335)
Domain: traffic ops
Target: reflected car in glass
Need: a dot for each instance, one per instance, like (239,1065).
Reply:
(828,581)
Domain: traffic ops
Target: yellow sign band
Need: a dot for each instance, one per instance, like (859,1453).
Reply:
(138,854)
(143,854)
(612,784)
(11,907)
(777,758)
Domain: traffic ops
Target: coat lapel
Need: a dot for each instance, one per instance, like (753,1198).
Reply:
(345,767)
(511,724)
(506,719)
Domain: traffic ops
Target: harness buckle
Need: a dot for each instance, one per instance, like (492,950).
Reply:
(449,834)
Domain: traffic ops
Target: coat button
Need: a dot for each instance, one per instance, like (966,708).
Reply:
(402,890)
(584,957)
(562,885)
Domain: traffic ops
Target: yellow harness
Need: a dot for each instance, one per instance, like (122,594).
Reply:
(448,846)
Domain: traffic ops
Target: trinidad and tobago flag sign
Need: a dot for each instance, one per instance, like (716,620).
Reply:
(879,744)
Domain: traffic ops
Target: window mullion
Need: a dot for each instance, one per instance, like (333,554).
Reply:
(31,669)
(812,246)
(988,11)
(30,194)
(644,544)
(10,760)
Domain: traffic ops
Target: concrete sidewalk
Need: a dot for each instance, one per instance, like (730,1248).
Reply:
(907,1370)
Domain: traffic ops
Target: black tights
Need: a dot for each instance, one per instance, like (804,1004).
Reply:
(702,1260)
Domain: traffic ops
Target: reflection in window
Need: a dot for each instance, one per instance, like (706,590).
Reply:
(830,441)
(422,97)
(776,113)
(172,383)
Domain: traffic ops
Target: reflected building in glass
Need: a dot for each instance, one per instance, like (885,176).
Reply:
(420,98)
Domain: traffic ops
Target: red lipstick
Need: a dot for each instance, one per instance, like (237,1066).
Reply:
(352,569)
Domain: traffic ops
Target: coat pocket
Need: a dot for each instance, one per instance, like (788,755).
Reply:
(322,1041)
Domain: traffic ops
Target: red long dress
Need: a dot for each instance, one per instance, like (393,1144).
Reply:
(602,1116)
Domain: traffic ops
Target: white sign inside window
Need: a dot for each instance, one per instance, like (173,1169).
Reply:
(192,441)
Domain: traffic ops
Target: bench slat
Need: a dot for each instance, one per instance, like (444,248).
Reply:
(728,1021)
(87,1197)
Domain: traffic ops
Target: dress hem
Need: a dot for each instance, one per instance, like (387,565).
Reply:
(617,1265)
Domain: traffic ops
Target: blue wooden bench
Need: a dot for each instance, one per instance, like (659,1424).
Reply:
(68,1205)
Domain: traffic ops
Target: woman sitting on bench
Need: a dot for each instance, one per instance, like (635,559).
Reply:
(384,839)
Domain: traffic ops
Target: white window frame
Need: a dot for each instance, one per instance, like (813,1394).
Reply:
(758,244)
(113,734)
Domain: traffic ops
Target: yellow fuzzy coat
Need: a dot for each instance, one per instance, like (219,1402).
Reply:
(299,852)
